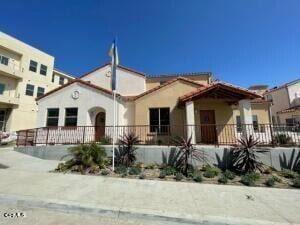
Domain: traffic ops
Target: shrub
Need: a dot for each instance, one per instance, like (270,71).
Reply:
(288,174)
(162,174)
(179,176)
(142,176)
(134,171)
(249,179)
(223,179)
(121,169)
(124,175)
(210,171)
(245,157)
(170,170)
(296,182)
(270,182)
(86,158)
(104,172)
(198,178)
(125,154)
(151,166)
(277,179)
(187,152)
(209,174)
(229,174)
(282,139)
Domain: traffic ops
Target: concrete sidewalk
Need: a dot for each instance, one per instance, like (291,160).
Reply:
(28,184)
(22,162)
(161,200)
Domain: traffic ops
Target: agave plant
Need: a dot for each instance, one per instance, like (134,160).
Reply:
(125,154)
(85,158)
(187,153)
(245,157)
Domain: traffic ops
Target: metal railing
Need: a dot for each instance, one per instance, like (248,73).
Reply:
(216,134)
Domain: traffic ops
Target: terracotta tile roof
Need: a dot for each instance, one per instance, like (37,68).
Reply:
(166,84)
(217,84)
(178,75)
(106,64)
(261,100)
(82,82)
(291,109)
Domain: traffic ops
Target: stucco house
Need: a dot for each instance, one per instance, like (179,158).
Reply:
(285,108)
(153,107)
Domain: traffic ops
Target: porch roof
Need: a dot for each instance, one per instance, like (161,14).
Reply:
(220,90)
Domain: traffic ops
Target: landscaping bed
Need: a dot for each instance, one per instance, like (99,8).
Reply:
(243,166)
(269,178)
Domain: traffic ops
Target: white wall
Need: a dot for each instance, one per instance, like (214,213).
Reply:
(128,83)
(294,94)
(88,98)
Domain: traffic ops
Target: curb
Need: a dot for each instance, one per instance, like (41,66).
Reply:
(70,207)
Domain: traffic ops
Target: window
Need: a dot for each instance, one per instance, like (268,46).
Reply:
(52,117)
(290,121)
(2,120)
(269,97)
(255,122)
(53,78)
(71,117)
(2,88)
(4,60)
(238,124)
(43,70)
(29,90)
(159,120)
(40,91)
(33,66)
(61,80)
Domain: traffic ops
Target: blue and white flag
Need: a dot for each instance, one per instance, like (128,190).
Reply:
(113,53)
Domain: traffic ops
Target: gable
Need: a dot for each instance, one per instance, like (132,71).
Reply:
(128,82)
(169,92)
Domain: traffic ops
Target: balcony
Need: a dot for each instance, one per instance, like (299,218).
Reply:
(11,70)
(9,100)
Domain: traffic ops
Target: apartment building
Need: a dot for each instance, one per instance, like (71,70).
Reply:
(25,73)
(285,108)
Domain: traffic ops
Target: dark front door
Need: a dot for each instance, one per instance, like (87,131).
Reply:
(208,126)
(99,126)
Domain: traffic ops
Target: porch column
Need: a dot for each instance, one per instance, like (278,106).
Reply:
(190,120)
(246,117)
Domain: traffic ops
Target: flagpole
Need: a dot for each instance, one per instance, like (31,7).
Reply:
(114,130)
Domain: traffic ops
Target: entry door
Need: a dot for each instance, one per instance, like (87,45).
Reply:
(99,126)
(208,126)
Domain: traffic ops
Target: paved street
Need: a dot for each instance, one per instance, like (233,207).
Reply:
(130,199)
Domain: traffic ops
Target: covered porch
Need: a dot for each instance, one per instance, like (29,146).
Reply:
(210,113)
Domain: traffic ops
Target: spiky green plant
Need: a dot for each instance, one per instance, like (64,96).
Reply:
(245,156)
(125,154)
(187,153)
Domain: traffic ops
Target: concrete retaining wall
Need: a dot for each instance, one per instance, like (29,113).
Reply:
(156,154)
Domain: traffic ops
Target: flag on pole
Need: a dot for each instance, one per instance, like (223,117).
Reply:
(113,53)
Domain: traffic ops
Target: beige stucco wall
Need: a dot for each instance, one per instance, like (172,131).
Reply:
(261,110)
(289,115)
(164,97)
(23,115)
